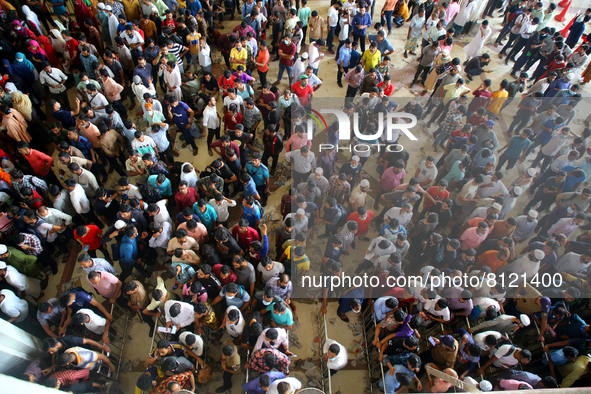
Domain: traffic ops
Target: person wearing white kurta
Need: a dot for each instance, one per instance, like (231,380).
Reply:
(474,48)
(138,88)
(15,308)
(234,329)
(19,281)
(337,362)
(172,77)
(527,265)
(113,23)
(189,177)
(294,385)
(464,14)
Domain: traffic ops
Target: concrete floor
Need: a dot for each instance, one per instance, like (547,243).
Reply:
(402,71)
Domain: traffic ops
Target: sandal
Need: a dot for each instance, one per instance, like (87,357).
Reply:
(185,144)
(344,318)
(195,152)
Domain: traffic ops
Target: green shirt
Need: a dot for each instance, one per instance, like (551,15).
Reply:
(24,263)
(304,14)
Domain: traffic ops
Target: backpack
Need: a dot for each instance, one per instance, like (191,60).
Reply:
(505,341)
(344,214)
(261,209)
(150,194)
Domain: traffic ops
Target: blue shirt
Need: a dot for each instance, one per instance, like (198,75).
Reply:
(208,218)
(65,117)
(391,383)
(83,145)
(360,20)
(258,174)
(571,181)
(252,215)
(193,6)
(180,115)
(383,46)
(517,146)
(165,188)
(253,387)
(247,9)
(344,56)
(380,308)
(355,59)
(128,250)
(60,9)
(239,299)
(250,189)
(82,300)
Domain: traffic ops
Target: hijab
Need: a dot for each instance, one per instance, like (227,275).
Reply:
(20,30)
(32,19)
(23,62)
(22,103)
(38,49)
(19,70)
(49,51)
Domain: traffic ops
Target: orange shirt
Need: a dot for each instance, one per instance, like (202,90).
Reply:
(489,259)
(263,58)
(40,162)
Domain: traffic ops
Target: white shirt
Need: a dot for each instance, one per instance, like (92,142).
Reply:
(56,218)
(222,209)
(442,313)
(54,78)
(96,324)
(426,174)
(185,318)
(162,240)
(301,164)
(88,182)
(79,200)
(554,145)
(12,306)
(333,16)
(564,226)
(162,216)
(340,360)
(522,266)
(480,337)
(136,38)
(497,186)
(97,101)
(15,278)
(197,347)
(239,101)
(235,330)
(570,263)
(210,117)
(394,213)
(560,162)
(282,339)
(294,384)
(204,56)
(313,56)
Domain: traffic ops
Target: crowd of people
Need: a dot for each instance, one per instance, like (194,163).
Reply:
(206,228)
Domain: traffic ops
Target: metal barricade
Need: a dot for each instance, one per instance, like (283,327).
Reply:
(323,335)
(248,369)
(372,353)
(117,338)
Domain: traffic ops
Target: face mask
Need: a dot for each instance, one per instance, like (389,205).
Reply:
(266,303)
(569,210)
(286,42)
(85,56)
(149,113)
(562,136)
(332,359)
(304,84)
(230,298)
(17,28)
(298,122)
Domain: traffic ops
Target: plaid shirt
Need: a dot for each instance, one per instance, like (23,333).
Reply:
(37,184)
(251,117)
(158,168)
(284,293)
(31,240)
(450,118)
(87,63)
(71,376)
(183,379)
(257,361)
(340,193)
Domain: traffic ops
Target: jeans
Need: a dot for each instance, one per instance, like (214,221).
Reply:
(510,162)
(388,16)
(473,72)
(512,38)
(330,39)
(459,29)
(188,136)
(440,137)
(282,68)
(127,269)
(117,105)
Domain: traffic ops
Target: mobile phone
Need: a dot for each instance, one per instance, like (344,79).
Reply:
(432,341)
(86,248)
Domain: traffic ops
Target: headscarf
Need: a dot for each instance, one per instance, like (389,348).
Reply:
(82,11)
(22,103)
(32,19)
(16,126)
(18,70)
(38,50)
(23,62)
(49,50)
(10,88)
(23,32)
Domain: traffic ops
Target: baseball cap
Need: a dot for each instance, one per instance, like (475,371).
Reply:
(364,183)
(533,213)
(447,340)
(538,254)
(490,123)
(119,224)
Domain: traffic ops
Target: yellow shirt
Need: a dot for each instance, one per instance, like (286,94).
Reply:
(496,101)
(371,60)
(238,55)
(572,372)
(182,4)
(403,11)
(193,41)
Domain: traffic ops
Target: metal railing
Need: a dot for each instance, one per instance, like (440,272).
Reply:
(323,335)
(117,338)
(372,353)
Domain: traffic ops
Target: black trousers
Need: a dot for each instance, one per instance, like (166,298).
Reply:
(92,253)
(263,194)
(517,47)
(212,133)
(340,73)
(424,70)
(263,77)
(265,161)
(512,38)
(114,163)
(92,218)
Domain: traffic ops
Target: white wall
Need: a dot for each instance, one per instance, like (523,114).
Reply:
(17,349)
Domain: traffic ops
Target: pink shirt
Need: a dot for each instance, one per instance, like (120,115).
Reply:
(451,11)
(471,238)
(390,180)
(512,384)
(107,286)
(199,234)
(92,133)
(295,142)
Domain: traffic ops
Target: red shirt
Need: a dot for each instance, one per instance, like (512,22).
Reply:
(362,225)
(244,239)
(436,196)
(388,90)
(37,204)
(92,238)
(231,123)
(72,46)
(186,200)
(40,162)
(301,92)
(171,24)
(287,50)
(226,84)
(230,279)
